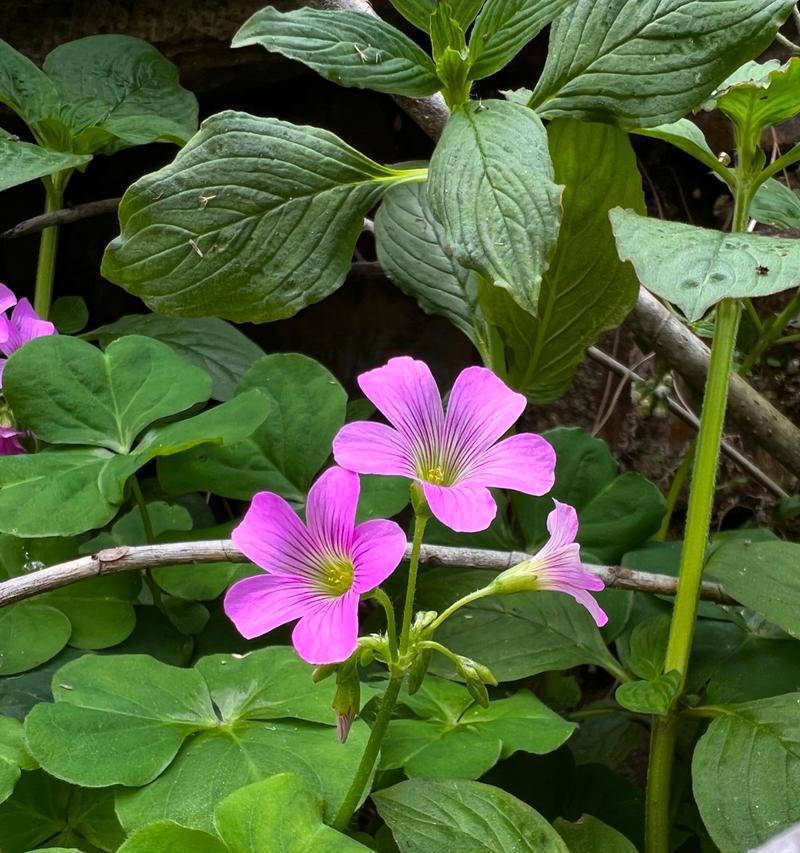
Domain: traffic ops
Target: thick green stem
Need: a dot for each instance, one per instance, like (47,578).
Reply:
(701,502)
(370,757)
(48,245)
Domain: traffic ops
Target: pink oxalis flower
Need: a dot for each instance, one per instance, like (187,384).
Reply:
(457,455)
(315,572)
(557,566)
(22,326)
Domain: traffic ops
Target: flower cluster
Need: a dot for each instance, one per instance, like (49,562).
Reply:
(23,324)
(316,572)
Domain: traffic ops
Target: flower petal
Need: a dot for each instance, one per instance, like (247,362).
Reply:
(371,448)
(329,634)
(480,409)
(582,597)
(7,298)
(378,548)
(261,603)
(465,507)
(274,538)
(524,462)
(25,325)
(562,525)
(405,392)
(331,509)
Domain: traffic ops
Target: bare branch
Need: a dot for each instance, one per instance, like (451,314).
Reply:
(129,559)
(61,217)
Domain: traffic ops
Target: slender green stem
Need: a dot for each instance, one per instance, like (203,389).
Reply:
(370,756)
(789,339)
(48,244)
(150,536)
(391,626)
(368,760)
(413,567)
(675,490)
(701,503)
(588,713)
(771,334)
(457,605)
(753,314)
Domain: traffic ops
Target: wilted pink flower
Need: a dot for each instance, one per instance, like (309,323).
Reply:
(9,441)
(557,566)
(315,572)
(22,326)
(455,456)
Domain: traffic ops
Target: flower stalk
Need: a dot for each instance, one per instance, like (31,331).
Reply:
(48,244)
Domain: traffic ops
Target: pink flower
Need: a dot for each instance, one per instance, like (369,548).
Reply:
(557,566)
(9,441)
(455,456)
(315,572)
(24,325)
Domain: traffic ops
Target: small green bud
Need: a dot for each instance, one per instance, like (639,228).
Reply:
(320,673)
(418,671)
(476,676)
(347,700)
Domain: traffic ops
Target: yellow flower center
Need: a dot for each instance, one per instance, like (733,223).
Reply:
(435,475)
(338,575)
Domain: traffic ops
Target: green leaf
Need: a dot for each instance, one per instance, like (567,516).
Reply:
(414,253)
(687,136)
(531,632)
(735,768)
(775,204)
(419,11)
(616,512)
(491,186)
(503,28)
(30,634)
(122,86)
(649,697)
(695,268)
(453,817)
(759,668)
(25,88)
(283,814)
(590,835)
(70,314)
(21,162)
(586,288)
(451,737)
(759,96)
(652,61)
(191,736)
(68,392)
(752,572)
(349,48)
(213,345)
(44,810)
(13,755)
(210,234)
(646,646)
(167,837)
(130,714)
(304,408)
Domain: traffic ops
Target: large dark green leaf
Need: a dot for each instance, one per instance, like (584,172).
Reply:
(44,810)
(503,28)
(122,88)
(746,772)
(191,736)
(13,755)
(349,48)
(694,268)
(68,392)
(641,63)
(590,835)
(255,219)
(30,634)
(586,289)
(616,512)
(764,576)
(451,737)
(415,254)
(491,186)
(531,632)
(419,11)
(304,409)
(455,817)
(25,88)
(21,162)
(206,342)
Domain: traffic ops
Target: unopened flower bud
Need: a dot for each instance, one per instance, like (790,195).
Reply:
(476,676)
(320,673)
(347,700)
(418,671)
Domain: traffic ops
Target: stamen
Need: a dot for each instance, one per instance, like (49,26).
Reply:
(338,575)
